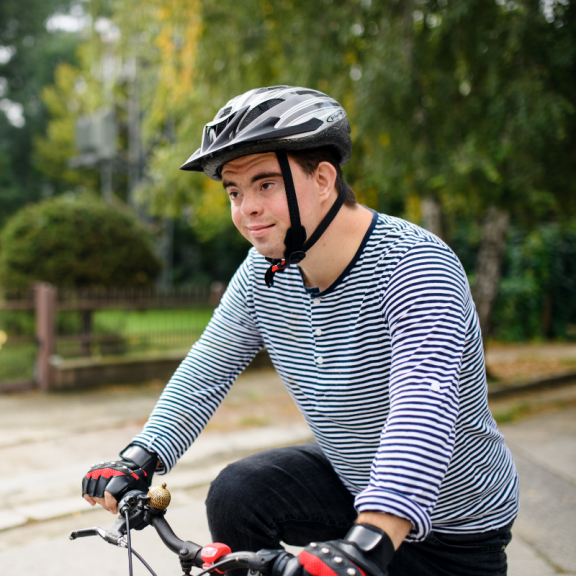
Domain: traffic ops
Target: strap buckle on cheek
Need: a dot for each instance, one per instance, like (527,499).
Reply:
(212,552)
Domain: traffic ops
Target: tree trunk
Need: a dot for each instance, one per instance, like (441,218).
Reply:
(489,265)
(85,347)
(547,317)
(432,215)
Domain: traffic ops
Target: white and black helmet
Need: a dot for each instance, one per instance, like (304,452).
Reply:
(270,119)
(277,119)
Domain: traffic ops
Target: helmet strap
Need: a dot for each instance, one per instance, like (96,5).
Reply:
(296,234)
(296,250)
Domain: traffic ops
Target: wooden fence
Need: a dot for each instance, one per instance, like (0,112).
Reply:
(46,325)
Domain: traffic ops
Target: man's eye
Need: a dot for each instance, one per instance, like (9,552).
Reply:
(233,195)
(267,185)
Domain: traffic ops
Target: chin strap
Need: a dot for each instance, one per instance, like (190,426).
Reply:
(296,247)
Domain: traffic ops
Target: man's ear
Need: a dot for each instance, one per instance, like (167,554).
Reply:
(325,176)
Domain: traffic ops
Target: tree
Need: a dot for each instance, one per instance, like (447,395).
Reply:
(470,103)
(29,54)
(460,109)
(73,93)
(464,105)
(75,241)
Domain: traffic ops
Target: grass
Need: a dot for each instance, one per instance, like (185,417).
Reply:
(152,330)
(513,414)
(129,331)
(135,322)
(529,408)
(17,362)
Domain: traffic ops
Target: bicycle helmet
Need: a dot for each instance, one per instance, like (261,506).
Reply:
(277,119)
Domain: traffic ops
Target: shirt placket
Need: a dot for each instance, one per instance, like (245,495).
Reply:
(317,333)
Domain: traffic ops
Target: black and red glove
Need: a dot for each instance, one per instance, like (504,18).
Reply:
(364,551)
(133,471)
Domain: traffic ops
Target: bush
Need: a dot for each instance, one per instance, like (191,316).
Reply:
(75,241)
(536,295)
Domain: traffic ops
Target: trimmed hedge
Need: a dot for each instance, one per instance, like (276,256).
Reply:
(74,241)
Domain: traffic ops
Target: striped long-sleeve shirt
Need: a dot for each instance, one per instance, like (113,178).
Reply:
(386,366)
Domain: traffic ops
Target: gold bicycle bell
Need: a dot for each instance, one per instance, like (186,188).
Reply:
(159,497)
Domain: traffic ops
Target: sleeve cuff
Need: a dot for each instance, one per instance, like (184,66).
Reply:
(397,504)
(165,454)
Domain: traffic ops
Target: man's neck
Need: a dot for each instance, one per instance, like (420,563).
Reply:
(336,248)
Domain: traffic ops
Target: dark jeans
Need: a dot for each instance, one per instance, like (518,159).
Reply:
(293,495)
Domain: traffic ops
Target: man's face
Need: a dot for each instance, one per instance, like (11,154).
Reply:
(259,206)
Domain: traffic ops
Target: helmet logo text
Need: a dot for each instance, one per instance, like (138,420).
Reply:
(336,116)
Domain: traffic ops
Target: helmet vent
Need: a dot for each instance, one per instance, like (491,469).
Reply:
(224,111)
(258,111)
(219,128)
(305,92)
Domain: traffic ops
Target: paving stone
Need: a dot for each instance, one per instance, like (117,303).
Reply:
(11,519)
(547,517)
(59,438)
(47,510)
(524,561)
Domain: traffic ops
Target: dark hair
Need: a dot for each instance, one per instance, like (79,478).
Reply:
(309,160)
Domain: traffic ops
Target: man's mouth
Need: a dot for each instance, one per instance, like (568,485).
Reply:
(259,229)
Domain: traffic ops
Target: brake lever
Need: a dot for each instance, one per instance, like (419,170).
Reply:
(113,536)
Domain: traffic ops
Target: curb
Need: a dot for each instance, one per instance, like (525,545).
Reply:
(15,387)
(115,370)
(503,390)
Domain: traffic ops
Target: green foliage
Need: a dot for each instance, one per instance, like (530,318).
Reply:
(464,101)
(200,261)
(472,102)
(65,100)
(76,241)
(35,55)
(536,297)
(469,101)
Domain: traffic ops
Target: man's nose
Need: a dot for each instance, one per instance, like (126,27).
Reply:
(251,205)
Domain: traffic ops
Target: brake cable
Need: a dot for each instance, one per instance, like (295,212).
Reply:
(129,542)
(131,550)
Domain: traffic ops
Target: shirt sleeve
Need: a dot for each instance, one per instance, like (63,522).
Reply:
(427,308)
(229,343)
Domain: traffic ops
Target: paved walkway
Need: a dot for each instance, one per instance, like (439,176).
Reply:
(47,443)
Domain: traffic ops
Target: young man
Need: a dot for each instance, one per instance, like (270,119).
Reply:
(369,321)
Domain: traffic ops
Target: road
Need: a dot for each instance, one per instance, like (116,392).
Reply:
(47,442)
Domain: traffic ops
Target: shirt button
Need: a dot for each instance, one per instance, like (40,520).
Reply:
(318,332)
(319,360)
(316,301)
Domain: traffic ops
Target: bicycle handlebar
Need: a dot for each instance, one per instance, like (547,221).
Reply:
(142,512)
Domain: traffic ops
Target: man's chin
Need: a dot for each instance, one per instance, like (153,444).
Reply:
(266,247)
(268,252)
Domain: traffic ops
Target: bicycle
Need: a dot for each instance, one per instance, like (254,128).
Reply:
(139,510)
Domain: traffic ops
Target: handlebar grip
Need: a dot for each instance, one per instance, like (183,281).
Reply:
(83,533)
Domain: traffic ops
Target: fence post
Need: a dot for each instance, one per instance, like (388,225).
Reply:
(45,306)
(85,347)
(217,290)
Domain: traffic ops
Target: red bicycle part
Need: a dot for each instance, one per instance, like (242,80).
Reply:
(212,552)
